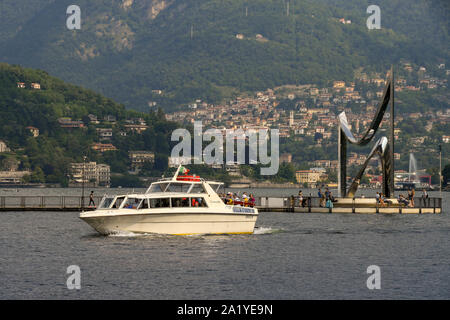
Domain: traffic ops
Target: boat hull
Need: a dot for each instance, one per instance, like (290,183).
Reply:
(173,223)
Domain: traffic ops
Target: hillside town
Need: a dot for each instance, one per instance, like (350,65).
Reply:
(305,111)
(301,113)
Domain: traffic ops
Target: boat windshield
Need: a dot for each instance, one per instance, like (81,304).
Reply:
(176,187)
(118,202)
(106,202)
(157,187)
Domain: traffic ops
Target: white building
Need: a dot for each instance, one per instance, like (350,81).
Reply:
(90,172)
(3,147)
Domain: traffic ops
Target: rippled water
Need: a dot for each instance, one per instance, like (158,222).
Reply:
(290,256)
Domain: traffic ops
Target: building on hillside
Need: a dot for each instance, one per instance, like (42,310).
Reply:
(34,131)
(138,158)
(105,133)
(36,86)
(102,147)
(286,158)
(138,128)
(90,172)
(69,123)
(4,147)
(93,119)
(311,177)
(12,177)
(338,84)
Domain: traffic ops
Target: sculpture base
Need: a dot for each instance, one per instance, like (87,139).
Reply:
(366,203)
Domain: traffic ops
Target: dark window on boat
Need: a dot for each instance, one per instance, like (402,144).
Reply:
(132,203)
(144,204)
(180,202)
(160,203)
(118,202)
(198,202)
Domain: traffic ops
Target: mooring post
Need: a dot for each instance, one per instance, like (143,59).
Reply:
(377,210)
(420,205)
(353,205)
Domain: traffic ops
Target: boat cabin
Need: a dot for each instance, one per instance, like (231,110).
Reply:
(167,193)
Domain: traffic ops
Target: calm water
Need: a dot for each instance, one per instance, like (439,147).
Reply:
(290,256)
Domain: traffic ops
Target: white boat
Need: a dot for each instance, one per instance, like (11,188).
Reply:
(181,205)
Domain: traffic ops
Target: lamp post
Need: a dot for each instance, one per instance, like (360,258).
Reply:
(440,171)
(82,183)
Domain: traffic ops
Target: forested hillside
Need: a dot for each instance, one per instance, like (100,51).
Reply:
(48,155)
(212,49)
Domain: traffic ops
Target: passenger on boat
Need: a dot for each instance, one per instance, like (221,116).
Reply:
(229,198)
(252,200)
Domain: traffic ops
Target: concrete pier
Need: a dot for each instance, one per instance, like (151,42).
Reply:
(264,204)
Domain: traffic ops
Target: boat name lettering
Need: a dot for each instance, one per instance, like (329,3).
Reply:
(241,209)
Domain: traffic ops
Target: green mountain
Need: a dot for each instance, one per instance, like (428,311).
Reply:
(189,49)
(49,154)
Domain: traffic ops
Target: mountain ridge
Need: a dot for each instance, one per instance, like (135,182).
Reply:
(190,49)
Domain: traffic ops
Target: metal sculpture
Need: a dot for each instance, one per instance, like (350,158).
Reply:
(383,149)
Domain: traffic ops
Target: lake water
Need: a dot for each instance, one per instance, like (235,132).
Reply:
(290,256)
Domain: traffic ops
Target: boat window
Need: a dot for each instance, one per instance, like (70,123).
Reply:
(180,202)
(118,202)
(159,203)
(198,202)
(197,188)
(178,187)
(106,202)
(144,204)
(220,188)
(132,203)
(158,187)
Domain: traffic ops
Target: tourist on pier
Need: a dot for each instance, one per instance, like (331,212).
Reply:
(301,199)
(382,201)
(91,199)
(331,197)
(402,200)
(322,200)
(327,194)
(411,195)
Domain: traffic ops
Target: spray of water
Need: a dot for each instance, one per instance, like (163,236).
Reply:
(412,167)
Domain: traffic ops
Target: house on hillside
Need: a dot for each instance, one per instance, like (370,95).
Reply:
(36,86)
(3,147)
(34,131)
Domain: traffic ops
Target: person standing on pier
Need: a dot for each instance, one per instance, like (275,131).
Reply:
(91,199)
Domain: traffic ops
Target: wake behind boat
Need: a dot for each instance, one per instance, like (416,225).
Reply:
(181,205)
